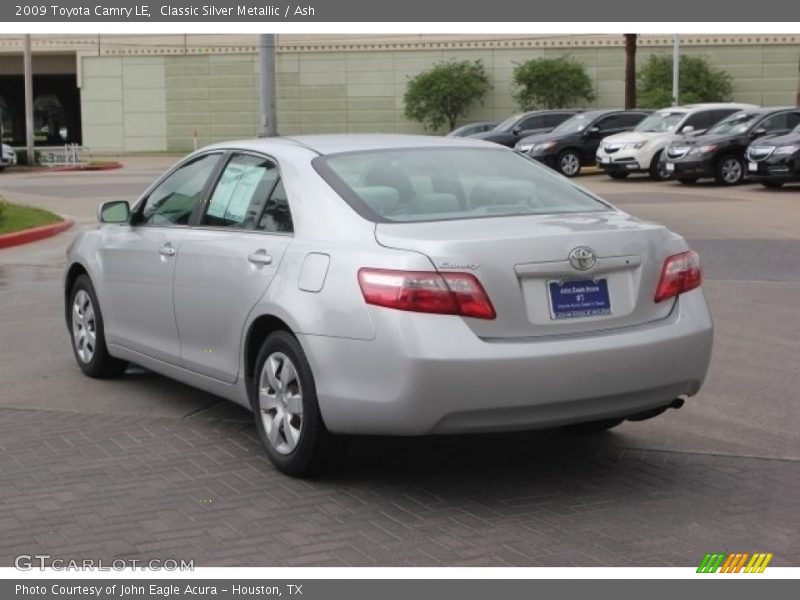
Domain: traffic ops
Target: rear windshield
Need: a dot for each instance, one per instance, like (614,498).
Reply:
(431,184)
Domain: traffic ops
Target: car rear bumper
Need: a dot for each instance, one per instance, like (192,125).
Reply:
(426,374)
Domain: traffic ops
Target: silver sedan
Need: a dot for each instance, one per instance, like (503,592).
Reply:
(395,285)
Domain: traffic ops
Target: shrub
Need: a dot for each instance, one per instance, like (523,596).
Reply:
(698,82)
(551,83)
(445,92)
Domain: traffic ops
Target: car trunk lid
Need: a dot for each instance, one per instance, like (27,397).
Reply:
(517,259)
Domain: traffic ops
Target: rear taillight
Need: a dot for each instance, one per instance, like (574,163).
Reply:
(680,273)
(426,291)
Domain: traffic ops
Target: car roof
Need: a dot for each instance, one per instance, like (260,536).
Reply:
(335,143)
(765,110)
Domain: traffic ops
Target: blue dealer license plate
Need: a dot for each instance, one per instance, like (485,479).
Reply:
(572,299)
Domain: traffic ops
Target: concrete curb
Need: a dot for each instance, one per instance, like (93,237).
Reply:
(104,167)
(34,234)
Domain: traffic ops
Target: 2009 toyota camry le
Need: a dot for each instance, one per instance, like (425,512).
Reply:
(392,285)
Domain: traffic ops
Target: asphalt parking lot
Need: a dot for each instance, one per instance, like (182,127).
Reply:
(144,467)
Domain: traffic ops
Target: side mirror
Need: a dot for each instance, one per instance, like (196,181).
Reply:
(592,131)
(688,131)
(116,211)
(759,131)
(516,130)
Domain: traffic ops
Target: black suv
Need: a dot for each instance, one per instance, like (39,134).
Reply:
(518,126)
(775,160)
(719,153)
(574,143)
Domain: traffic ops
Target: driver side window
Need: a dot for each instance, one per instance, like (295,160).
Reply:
(173,201)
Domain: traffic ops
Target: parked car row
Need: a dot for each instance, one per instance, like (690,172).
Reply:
(728,142)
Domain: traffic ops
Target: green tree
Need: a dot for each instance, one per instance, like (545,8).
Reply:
(445,92)
(551,83)
(698,81)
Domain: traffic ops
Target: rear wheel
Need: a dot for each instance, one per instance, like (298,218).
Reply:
(772,184)
(658,168)
(593,426)
(730,170)
(287,417)
(86,329)
(569,163)
(618,174)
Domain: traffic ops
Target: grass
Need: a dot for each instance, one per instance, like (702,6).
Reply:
(15,217)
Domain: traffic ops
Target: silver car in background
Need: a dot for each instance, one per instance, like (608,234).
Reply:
(394,285)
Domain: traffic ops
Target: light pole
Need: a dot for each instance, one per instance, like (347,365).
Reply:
(28,70)
(269,120)
(676,65)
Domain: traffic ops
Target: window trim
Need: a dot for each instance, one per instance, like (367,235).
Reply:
(136,213)
(197,217)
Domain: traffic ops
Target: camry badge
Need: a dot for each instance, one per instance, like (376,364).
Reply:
(582,258)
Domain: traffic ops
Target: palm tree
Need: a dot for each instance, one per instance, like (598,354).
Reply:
(630,70)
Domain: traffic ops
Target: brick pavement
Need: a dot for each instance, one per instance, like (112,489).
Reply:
(125,486)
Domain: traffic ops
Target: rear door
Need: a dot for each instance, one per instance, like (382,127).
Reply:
(227,262)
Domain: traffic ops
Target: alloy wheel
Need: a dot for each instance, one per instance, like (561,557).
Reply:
(84,332)
(569,164)
(731,170)
(280,400)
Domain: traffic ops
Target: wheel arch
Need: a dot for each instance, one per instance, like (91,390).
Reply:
(261,327)
(74,271)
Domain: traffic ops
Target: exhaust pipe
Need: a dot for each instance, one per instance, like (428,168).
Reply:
(654,412)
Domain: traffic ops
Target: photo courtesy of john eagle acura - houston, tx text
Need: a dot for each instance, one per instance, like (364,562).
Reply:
(357,284)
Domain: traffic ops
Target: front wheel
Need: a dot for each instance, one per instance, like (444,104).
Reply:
(658,168)
(730,170)
(569,163)
(287,417)
(86,329)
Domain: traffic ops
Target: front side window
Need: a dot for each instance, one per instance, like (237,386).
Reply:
(780,122)
(172,202)
(429,184)
(241,192)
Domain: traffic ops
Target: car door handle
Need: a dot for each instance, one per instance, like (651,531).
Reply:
(260,258)
(167,250)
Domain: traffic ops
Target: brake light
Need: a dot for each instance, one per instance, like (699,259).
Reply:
(426,291)
(680,273)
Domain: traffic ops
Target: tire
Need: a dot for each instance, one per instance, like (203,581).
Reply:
(658,170)
(729,170)
(617,174)
(773,185)
(287,417)
(593,426)
(568,163)
(85,324)
(687,180)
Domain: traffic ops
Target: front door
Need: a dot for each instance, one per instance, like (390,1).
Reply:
(138,262)
(228,261)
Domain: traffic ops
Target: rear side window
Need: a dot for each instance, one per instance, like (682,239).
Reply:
(429,184)
(241,192)
(701,120)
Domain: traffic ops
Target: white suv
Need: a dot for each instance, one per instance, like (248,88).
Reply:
(640,150)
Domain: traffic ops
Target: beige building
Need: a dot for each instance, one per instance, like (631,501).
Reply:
(159,93)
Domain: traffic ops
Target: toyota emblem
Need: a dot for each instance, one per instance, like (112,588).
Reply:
(582,258)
